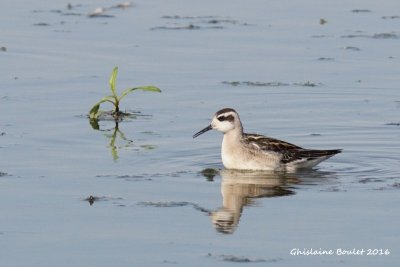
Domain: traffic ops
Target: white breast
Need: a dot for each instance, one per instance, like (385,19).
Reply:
(235,155)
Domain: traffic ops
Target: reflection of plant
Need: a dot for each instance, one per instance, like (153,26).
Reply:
(118,140)
(116,99)
(113,138)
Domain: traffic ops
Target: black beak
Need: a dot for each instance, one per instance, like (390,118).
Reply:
(209,127)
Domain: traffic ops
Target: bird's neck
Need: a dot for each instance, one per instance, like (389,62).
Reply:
(234,135)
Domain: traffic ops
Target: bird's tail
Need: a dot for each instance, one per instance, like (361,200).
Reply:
(313,153)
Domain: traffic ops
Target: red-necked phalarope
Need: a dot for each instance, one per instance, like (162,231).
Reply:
(245,151)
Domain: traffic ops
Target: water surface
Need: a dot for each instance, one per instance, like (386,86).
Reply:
(330,85)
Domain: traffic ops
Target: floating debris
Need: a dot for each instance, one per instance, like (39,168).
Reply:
(219,21)
(123,5)
(308,84)
(318,36)
(149,133)
(210,173)
(167,204)
(351,48)
(188,27)
(188,17)
(355,36)
(173,204)
(373,36)
(393,186)
(241,259)
(261,84)
(231,83)
(99,13)
(393,123)
(206,19)
(41,24)
(326,59)
(322,21)
(370,180)
(333,189)
(361,11)
(198,22)
(391,17)
(144,176)
(385,36)
(232,258)
(3,48)
(61,12)
(91,199)
(136,178)
(269,84)
(148,147)
(71,14)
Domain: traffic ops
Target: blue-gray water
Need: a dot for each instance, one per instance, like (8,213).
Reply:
(330,83)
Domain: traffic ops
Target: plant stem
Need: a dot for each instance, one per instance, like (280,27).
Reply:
(116,105)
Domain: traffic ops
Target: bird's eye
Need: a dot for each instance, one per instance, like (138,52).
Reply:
(221,118)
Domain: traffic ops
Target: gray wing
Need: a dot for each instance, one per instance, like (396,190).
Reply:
(289,152)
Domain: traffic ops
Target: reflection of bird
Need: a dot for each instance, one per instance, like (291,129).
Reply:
(239,188)
(245,151)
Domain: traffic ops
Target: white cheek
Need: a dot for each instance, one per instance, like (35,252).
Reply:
(224,127)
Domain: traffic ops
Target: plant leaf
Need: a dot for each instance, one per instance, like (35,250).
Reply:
(148,88)
(94,111)
(112,81)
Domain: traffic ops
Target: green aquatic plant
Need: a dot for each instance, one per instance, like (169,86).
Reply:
(115,99)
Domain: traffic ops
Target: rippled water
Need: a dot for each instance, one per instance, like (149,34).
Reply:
(145,193)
